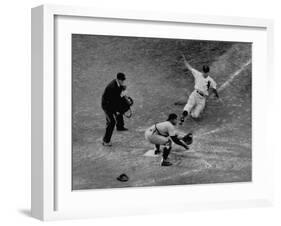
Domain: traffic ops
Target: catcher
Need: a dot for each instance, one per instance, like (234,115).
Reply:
(164,133)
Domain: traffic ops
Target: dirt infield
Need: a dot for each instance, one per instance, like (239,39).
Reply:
(157,79)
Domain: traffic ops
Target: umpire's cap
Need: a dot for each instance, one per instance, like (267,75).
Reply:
(121,76)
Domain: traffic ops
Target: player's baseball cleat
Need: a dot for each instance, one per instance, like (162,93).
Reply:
(109,144)
(166,163)
(181,120)
(122,129)
(123,177)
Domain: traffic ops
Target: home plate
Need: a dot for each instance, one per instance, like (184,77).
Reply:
(150,153)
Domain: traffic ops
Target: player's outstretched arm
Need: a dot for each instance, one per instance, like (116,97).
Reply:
(177,141)
(186,63)
(190,68)
(216,93)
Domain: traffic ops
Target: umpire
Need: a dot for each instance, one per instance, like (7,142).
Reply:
(111,99)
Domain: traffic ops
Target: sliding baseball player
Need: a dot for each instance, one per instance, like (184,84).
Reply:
(203,83)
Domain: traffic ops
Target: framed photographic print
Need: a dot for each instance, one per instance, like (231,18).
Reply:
(137,112)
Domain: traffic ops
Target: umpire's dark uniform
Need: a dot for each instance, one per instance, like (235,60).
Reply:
(110,101)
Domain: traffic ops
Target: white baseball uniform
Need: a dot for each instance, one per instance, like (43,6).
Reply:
(160,133)
(197,99)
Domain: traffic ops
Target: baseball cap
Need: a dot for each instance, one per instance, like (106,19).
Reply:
(121,76)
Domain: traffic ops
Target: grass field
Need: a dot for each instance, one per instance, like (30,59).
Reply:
(156,80)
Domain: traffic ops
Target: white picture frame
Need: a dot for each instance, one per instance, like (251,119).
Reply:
(46,184)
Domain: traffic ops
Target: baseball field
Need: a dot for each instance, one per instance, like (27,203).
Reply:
(160,84)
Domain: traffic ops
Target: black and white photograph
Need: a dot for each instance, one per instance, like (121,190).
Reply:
(157,111)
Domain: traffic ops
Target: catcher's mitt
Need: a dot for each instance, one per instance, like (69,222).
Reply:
(188,138)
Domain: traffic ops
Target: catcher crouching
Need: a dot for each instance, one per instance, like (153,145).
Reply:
(164,133)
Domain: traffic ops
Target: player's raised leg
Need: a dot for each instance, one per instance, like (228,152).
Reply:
(199,107)
(188,107)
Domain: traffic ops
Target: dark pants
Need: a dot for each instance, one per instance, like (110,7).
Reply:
(112,119)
